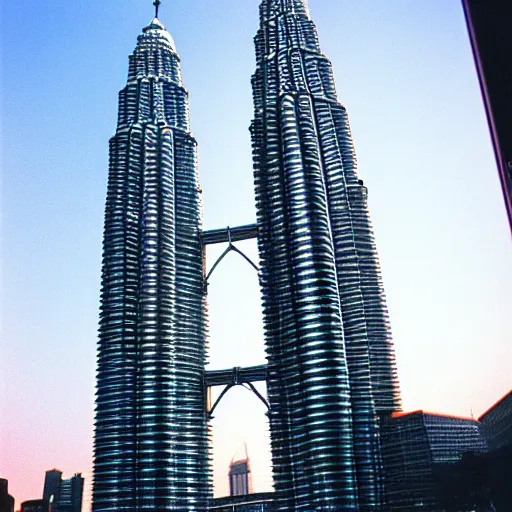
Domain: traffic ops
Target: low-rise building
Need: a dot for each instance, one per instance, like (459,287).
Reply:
(416,448)
(35,506)
(260,502)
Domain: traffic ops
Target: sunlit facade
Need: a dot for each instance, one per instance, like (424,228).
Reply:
(151,438)
(331,365)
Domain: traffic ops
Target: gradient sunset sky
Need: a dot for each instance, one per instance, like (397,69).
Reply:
(405,72)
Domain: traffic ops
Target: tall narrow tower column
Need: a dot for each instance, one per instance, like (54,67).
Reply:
(331,368)
(151,438)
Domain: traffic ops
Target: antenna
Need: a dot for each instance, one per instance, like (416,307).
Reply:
(156,3)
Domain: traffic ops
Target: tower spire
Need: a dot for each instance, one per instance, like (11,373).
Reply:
(156,3)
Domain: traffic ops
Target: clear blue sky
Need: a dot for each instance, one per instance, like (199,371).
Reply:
(405,72)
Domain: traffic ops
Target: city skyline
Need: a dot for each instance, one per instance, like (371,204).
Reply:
(377,203)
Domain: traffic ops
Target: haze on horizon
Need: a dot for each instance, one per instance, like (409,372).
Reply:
(405,73)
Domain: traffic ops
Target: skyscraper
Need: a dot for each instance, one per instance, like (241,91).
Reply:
(151,442)
(331,367)
(240,477)
(51,489)
(63,495)
(71,493)
(331,370)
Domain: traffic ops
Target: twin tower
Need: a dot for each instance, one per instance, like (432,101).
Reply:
(331,371)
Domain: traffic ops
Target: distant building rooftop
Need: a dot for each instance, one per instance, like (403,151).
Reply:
(497,423)
(35,506)
(397,415)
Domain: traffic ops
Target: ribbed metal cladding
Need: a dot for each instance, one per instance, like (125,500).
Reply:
(331,366)
(151,433)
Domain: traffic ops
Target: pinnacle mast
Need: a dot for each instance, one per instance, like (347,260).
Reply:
(157,4)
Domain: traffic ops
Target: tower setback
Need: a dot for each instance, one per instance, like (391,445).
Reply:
(151,440)
(331,361)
